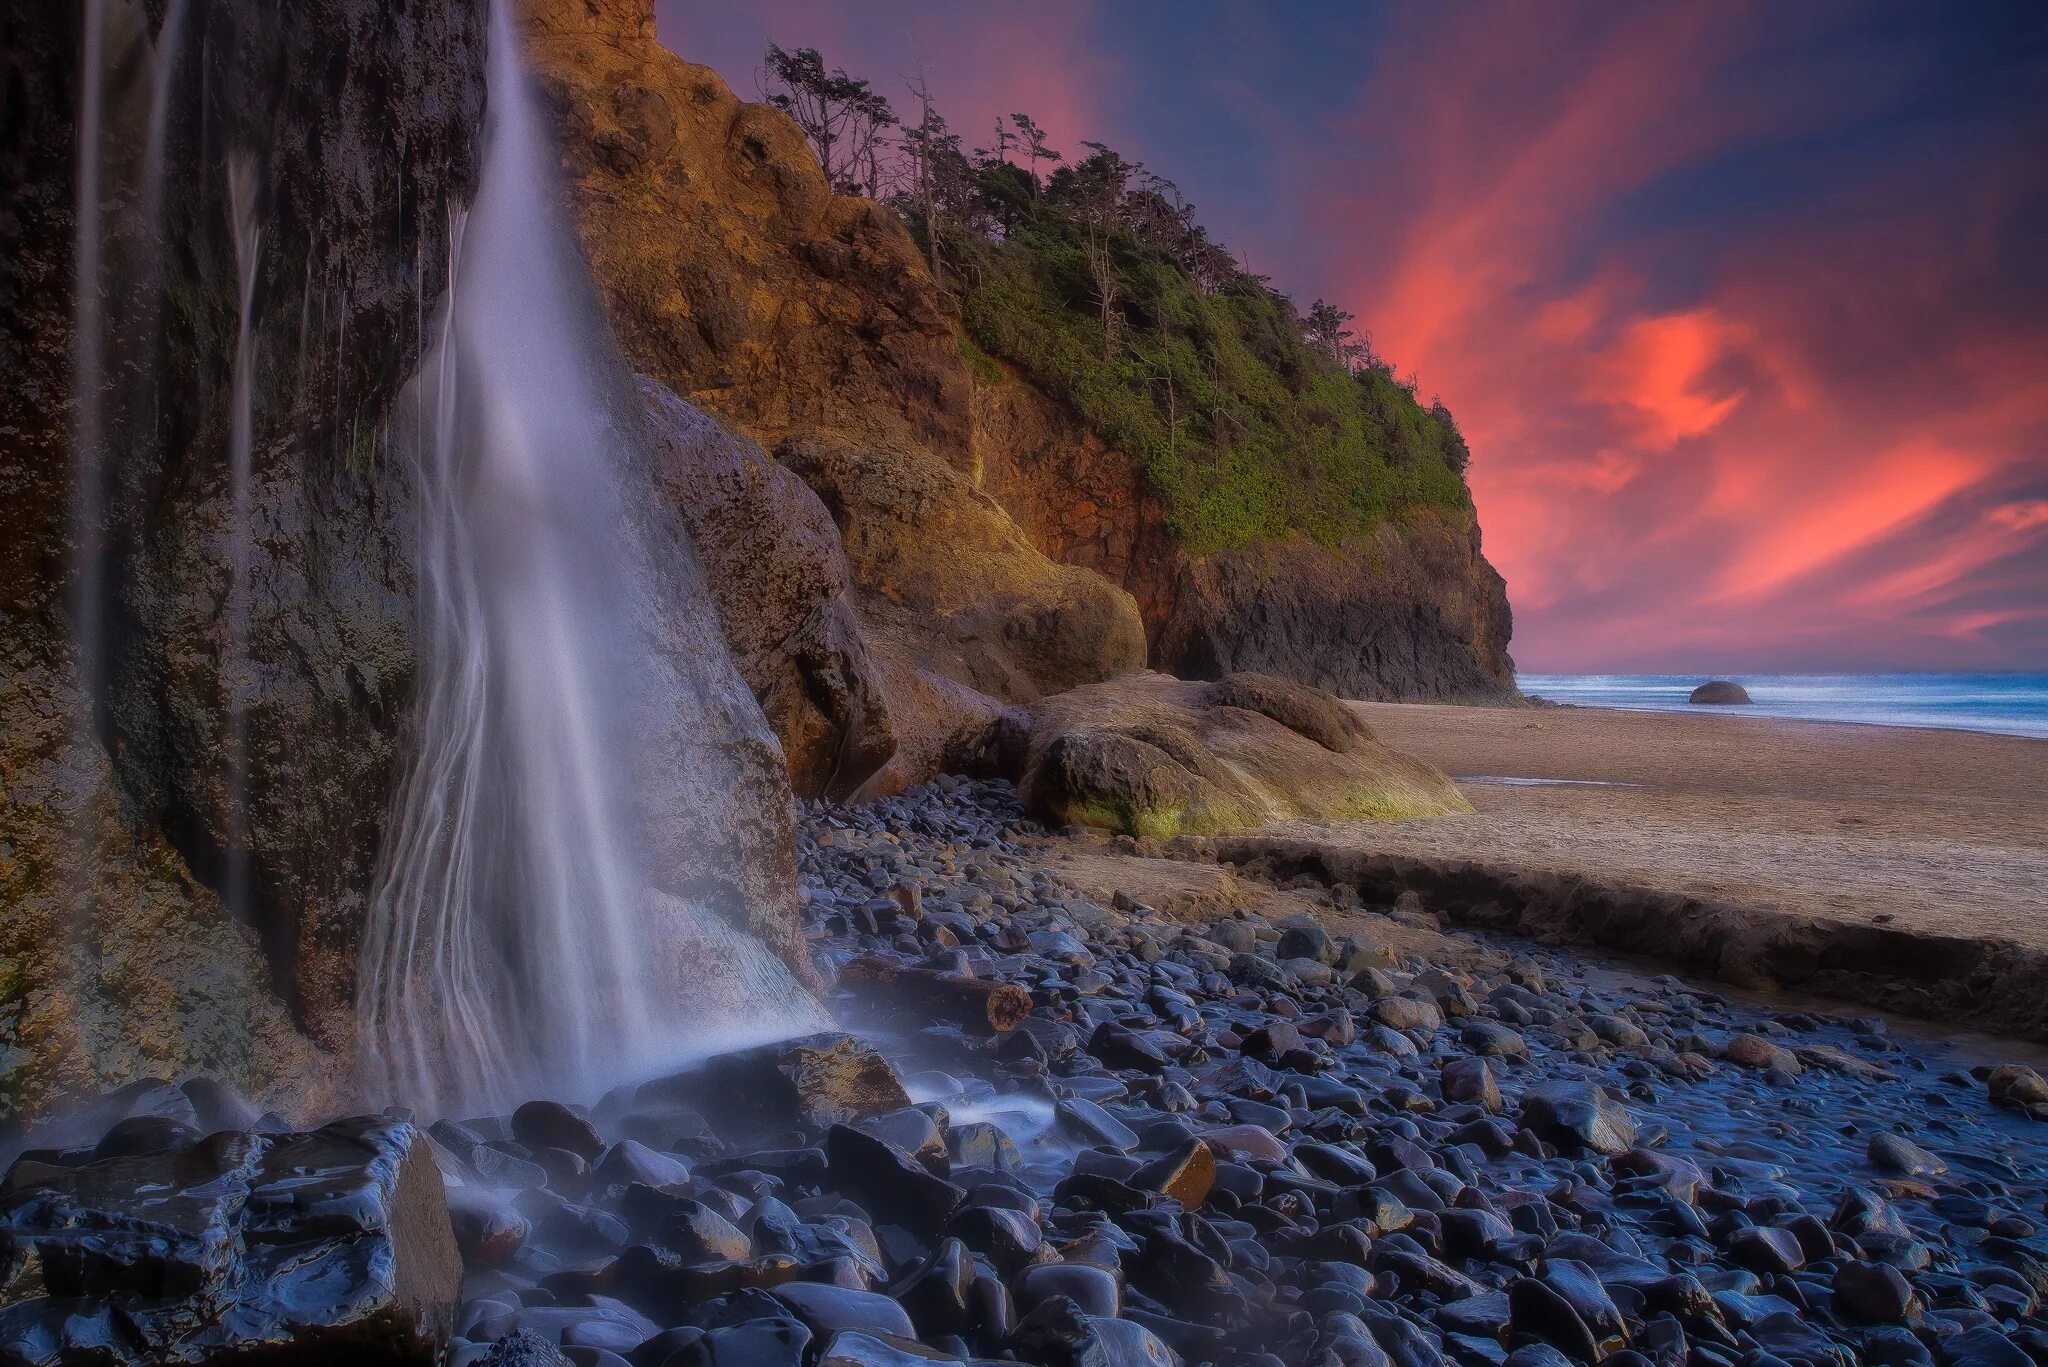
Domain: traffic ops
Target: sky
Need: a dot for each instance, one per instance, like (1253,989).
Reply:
(1743,309)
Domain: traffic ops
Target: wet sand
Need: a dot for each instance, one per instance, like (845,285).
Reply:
(1899,866)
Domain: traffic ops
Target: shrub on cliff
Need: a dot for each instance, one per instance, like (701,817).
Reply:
(1096,282)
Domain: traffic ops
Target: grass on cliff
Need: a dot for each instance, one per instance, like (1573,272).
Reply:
(1243,428)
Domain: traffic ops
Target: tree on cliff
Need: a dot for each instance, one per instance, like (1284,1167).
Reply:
(1032,139)
(845,120)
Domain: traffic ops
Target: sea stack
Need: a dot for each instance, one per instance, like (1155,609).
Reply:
(1719,693)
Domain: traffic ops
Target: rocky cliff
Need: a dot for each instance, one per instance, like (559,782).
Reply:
(180,889)
(735,277)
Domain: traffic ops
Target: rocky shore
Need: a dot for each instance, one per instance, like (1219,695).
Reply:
(1066,1129)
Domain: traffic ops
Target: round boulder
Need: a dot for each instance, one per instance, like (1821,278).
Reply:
(1719,693)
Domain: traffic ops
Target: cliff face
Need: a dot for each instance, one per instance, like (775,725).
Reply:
(735,277)
(337,142)
(123,954)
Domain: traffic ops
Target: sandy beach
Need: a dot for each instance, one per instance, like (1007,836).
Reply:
(1902,867)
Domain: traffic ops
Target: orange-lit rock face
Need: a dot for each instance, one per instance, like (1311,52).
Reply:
(730,271)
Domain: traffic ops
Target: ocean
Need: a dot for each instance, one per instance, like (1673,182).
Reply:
(2008,704)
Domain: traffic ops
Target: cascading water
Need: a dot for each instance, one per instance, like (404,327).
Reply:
(88,356)
(248,237)
(520,941)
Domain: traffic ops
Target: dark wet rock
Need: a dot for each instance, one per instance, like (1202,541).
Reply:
(1302,941)
(774,1341)
(1768,1250)
(1118,1047)
(631,1161)
(1095,1290)
(698,1234)
(2018,1088)
(828,1310)
(1718,693)
(1578,1115)
(894,1186)
(1873,1293)
(1090,1124)
(551,1125)
(524,1348)
(853,1349)
(1060,1334)
(335,1241)
(1007,1238)
(917,1131)
(815,1080)
(1901,1157)
(1754,1051)
(1490,1039)
(938,1295)
(1471,1081)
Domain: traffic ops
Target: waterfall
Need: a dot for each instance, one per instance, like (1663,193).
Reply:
(88,358)
(248,238)
(520,941)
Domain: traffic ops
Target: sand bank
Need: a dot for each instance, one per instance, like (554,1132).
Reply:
(1903,868)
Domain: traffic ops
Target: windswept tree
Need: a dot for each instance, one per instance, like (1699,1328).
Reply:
(1094,190)
(1031,138)
(1327,328)
(846,121)
(940,176)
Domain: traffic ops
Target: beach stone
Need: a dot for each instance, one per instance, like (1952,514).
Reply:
(1095,1290)
(814,1080)
(1118,1047)
(1873,1293)
(1719,693)
(890,1183)
(1754,1051)
(1901,1157)
(1186,1174)
(1578,1115)
(1765,1249)
(551,1125)
(524,1348)
(777,1341)
(855,1349)
(1407,1013)
(1060,1334)
(2018,1088)
(335,1241)
(1306,942)
(828,1310)
(1470,1081)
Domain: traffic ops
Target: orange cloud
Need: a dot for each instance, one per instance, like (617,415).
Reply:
(1661,372)
(1893,491)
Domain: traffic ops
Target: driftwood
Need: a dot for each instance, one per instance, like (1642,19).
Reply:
(979,1004)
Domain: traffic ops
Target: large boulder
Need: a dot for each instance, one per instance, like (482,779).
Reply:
(946,577)
(330,1246)
(779,581)
(1155,756)
(1719,693)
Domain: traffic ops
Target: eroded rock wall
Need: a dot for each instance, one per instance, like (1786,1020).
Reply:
(352,123)
(735,277)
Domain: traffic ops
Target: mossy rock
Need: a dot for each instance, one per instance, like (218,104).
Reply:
(1156,757)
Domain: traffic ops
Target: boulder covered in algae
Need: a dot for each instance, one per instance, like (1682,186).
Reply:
(157,1245)
(1150,755)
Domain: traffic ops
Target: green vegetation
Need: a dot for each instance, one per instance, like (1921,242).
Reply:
(1244,429)
(1095,281)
